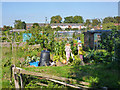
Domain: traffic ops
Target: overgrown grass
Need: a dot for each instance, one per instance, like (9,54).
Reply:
(8,58)
(99,75)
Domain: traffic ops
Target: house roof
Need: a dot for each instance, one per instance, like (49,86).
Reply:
(56,24)
(98,31)
(17,30)
(74,24)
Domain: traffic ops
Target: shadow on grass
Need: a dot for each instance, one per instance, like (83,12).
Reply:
(98,75)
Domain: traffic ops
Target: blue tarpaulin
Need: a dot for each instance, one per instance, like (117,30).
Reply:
(34,63)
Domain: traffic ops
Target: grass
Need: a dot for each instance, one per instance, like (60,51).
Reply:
(99,75)
(6,59)
(63,71)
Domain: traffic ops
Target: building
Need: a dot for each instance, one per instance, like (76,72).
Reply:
(63,26)
(29,25)
(67,34)
(92,38)
(17,30)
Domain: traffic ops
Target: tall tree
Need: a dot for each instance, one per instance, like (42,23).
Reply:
(35,25)
(109,19)
(5,28)
(19,24)
(56,19)
(117,18)
(68,19)
(78,19)
(23,25)
(95,22)
(87,22)
(108,26)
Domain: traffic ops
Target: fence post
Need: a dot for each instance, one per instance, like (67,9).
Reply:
(21,80)
(15,78)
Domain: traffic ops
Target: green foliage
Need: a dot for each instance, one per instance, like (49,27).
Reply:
(109,20)
(56,19)
(19,24)
(7,63)
(75,19)
(95,22)
(98,75)
(117,18)
(58,28)
(93,81)
(78,19)
(7,28)
(87,23)
(108,26)
(110,42)
(97,56)
(68,19)
(77,60)
(18,37)
(75,29)
(35,25)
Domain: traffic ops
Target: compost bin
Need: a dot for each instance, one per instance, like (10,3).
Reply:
(44,58)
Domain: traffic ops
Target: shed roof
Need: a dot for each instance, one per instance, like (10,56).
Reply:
(98,31)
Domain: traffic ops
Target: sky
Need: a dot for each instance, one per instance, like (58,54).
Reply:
(35,12)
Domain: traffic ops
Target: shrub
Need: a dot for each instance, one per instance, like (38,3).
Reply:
(98,56)
(77,60)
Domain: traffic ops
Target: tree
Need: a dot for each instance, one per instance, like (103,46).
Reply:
(23,25)
(117,18)
(109,19)
(108,26)
(58,28)
(95,22)
(56,19)
(111,42)
(35,25)
(5,28)
(78,19)
(68,19)
(19,24)
(87,23)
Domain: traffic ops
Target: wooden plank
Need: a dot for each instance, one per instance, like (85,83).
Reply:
(73,86)
(39,74)
(82,86)
(42,84)
(20,70)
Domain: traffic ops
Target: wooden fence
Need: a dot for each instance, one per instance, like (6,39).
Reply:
(61,80)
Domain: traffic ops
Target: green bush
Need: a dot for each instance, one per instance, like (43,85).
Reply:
(97,56)
(77,60)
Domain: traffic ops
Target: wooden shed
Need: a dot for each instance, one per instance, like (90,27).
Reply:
(92,38)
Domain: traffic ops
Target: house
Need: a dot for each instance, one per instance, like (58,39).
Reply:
(17,30)
(63,26)
(92,38)
(29,25)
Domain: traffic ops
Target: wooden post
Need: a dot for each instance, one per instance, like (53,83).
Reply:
(15,78)
(21,80)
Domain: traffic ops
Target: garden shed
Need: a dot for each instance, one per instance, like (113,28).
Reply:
(92,38)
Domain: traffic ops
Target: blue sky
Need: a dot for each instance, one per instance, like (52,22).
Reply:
(32,12)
